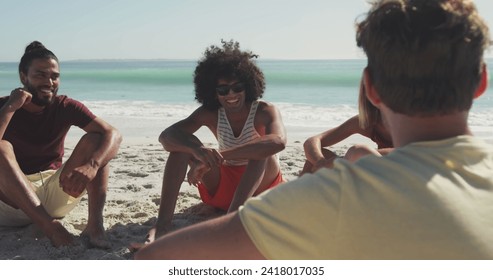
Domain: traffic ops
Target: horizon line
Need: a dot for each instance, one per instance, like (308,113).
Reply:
(189,59)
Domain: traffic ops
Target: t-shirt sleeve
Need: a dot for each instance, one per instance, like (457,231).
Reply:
(296,220)
(78,114)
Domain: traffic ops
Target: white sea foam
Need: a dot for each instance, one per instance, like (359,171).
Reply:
(292,114)
(148,119)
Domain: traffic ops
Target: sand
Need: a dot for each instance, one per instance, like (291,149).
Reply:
(133,198)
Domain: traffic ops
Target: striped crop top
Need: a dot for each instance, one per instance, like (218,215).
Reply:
(225,135)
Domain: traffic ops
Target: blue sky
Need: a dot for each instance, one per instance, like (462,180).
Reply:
(182,29)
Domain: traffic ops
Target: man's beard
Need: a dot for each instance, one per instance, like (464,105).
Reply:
(37,100)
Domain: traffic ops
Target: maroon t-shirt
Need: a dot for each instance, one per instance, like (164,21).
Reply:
(38,138)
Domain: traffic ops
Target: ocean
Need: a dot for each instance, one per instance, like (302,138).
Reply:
(316,94)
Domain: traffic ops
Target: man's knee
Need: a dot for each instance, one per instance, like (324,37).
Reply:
(83,151)
(88,143)
(90,139)
(6,149)
(269,164)
(272,162)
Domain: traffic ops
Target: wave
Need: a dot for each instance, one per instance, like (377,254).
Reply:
(292,114)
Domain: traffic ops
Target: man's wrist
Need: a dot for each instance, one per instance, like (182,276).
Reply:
(8,109)
(94,163)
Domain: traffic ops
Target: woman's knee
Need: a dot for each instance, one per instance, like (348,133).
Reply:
(358,151)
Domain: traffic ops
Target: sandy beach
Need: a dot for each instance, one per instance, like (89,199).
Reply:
(133,196)
(134,192)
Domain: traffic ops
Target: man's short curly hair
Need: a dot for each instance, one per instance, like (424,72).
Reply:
(425,57)
(227,62)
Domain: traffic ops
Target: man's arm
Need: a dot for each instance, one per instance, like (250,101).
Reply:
(6,114)
(18,97)
(110,141)
(75,181)
(180,137)
(221,238)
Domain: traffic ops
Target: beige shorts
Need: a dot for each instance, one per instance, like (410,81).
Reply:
(46,185)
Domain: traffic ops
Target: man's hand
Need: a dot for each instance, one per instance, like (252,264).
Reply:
(18,97)
(208,156)
(204,160)
(197,171)
(75,181)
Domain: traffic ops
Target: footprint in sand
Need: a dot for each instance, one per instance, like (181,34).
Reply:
(148,186)
(137,174)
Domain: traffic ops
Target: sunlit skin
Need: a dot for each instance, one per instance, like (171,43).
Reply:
(233,102)
(41,81)
(204,163)
(85,169)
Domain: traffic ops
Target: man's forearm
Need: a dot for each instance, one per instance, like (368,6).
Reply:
(175,140)
(257,150)
(107,150)
(6,114)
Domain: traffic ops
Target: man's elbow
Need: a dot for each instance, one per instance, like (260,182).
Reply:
(279,143)
(163,137)
(117,137)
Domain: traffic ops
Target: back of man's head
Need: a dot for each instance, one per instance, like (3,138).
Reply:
(35,50)
(425,57)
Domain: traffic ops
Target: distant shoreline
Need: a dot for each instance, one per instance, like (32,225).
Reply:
(489,59)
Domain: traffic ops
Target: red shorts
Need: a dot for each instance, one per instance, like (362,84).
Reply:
(230,178)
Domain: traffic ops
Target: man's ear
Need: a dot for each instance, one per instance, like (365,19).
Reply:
(483,84)
(23,78)
(370,91)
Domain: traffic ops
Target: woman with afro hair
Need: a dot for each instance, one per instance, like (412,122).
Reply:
(249,131)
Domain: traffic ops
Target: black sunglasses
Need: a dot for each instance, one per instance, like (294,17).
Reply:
(224,89)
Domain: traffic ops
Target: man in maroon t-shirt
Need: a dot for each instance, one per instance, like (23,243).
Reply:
(35,187)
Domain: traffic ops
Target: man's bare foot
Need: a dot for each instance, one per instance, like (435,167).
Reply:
(152,235)
(58,235)
(97,238)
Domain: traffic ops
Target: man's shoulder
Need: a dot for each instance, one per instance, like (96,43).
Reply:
(266,108)
(204,112)
(65,101)
(203,115)
(262,104)
(266,112)
(424,159)
(67,105)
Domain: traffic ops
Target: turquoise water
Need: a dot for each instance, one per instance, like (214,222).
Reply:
(303,82)
(314,82)
(308,92)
